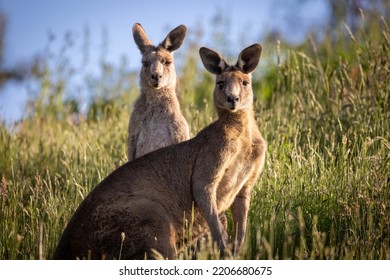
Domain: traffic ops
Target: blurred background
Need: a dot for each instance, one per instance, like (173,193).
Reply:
(84,43)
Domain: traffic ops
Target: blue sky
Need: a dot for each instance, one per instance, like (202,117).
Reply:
(30,21)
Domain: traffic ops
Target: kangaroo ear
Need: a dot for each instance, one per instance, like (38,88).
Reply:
(174,38)
(212,61)
(140,37)
(249,58)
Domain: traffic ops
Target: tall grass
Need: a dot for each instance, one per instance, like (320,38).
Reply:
(324,192)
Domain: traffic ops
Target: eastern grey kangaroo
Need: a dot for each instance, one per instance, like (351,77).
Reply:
(147,199)
(156,120)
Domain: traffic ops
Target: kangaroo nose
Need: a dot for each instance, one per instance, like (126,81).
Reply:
(156,76)
(232,100)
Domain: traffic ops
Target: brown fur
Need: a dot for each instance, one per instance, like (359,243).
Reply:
(156,120)
(149,198)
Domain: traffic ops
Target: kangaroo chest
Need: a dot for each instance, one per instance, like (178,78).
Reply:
(155,129)
(155,126)
(236,174)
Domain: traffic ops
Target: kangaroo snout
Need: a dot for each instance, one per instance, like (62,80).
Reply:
(155,77)
(156,73)
(232,101)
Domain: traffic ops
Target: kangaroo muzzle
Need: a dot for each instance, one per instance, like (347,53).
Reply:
(156,76)
(155,79)
(232,101)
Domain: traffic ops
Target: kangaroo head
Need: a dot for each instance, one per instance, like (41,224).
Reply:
(233,89)
(158,69)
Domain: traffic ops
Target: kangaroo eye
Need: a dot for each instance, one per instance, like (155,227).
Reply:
(145,63)
(245,83)
(167,62)
(220,84)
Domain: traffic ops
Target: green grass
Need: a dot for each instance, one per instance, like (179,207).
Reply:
(324,110)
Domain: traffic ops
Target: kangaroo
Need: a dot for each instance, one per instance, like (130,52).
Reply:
(156,120)
(141,205)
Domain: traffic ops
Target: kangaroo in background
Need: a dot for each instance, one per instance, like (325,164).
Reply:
(147,200)
(156,120)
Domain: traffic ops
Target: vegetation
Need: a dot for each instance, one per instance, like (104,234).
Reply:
(323,107)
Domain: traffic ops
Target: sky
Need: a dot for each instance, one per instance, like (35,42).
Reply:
(30,24)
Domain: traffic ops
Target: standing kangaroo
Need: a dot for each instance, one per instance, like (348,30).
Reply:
(146,200)
(156,120)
